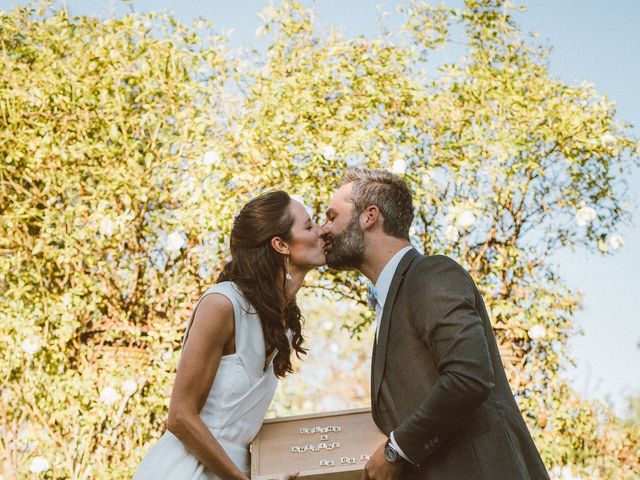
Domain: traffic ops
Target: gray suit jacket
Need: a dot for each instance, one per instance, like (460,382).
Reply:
(437,380)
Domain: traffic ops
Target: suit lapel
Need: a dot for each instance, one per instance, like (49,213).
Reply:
(379,356)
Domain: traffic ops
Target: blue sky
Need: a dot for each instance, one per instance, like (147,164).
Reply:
(598,41)
(592,40)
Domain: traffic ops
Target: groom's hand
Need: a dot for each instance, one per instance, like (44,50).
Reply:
(378,468)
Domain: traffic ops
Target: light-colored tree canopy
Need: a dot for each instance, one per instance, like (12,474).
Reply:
(128,144)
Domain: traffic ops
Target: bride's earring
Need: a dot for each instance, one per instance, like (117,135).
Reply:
(288,275)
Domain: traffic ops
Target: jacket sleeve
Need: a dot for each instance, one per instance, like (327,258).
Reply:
(446,319)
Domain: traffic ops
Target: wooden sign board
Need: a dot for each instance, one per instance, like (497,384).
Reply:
(325,446)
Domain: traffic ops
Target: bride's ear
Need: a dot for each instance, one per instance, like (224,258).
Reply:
(280,246)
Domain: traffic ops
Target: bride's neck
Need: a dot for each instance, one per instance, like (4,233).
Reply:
(293,285)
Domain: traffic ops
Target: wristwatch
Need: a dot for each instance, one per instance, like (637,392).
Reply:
(391,454)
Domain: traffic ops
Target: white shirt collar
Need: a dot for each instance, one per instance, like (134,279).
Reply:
(386,275)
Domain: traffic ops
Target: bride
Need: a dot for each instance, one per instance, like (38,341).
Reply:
(237,344)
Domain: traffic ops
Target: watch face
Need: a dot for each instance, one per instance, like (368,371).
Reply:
(390,454)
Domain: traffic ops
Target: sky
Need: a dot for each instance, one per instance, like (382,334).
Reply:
(591,40)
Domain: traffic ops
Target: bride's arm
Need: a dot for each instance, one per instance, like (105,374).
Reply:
(212,328)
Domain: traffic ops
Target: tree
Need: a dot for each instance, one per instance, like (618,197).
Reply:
(129,144)
(102,232)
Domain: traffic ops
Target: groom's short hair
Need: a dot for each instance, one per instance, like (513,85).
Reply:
(386,191)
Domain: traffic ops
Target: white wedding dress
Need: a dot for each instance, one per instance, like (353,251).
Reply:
(236,405)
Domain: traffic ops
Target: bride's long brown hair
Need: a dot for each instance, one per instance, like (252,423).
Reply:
(260,273)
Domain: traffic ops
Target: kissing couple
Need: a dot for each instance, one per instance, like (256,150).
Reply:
(438,387)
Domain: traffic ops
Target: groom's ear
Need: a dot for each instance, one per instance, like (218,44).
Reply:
(280,246)
(370,217)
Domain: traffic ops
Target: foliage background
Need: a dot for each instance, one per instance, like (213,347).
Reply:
(129,143)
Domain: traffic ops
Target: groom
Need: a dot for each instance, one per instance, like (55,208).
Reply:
(438,387)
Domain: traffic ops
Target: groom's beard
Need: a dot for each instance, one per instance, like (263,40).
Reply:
(346,249)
